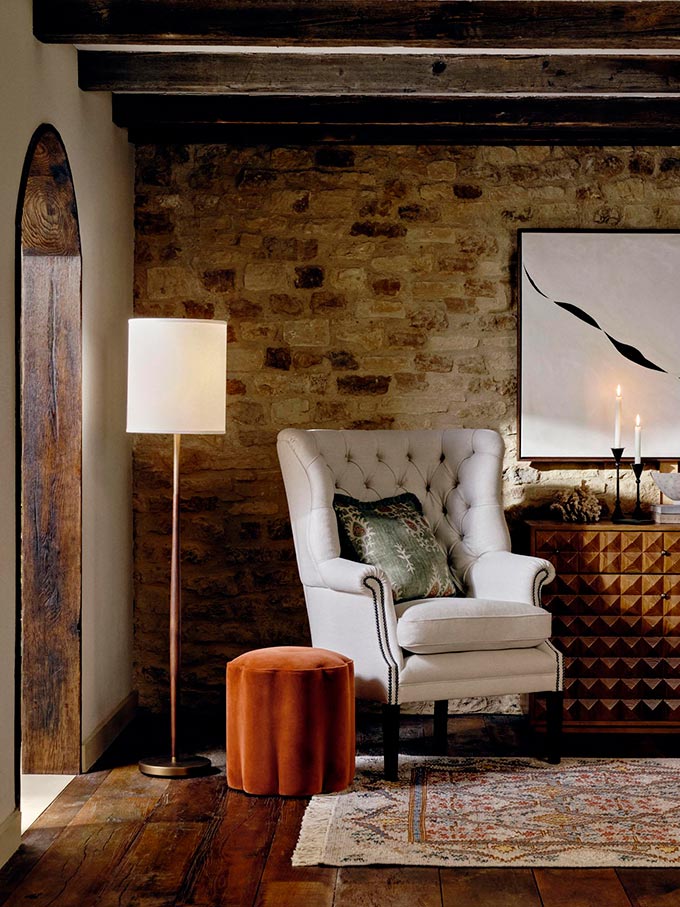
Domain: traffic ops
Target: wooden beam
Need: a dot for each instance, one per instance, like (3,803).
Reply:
(48,224)
(432,23)
(243,136)
(50,411)
(432,74)
(50,513)
(460,120)
(462,110)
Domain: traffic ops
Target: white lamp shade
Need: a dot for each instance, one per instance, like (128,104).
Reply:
(177,376)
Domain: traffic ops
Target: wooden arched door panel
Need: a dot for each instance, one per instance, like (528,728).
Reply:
(50,431)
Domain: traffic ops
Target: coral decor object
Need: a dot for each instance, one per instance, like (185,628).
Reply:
(580,505)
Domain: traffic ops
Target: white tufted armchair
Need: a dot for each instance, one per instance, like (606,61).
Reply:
(493,641)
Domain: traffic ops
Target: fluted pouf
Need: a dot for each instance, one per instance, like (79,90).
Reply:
(290,721)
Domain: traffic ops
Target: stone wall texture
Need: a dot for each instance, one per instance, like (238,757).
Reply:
(365,287)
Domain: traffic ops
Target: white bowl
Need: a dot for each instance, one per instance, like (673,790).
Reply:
(668,483)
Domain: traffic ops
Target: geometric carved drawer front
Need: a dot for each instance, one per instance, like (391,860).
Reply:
(616,617)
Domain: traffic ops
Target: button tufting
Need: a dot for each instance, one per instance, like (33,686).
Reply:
(444,511)
(409,457)
(427,488)
(442,457)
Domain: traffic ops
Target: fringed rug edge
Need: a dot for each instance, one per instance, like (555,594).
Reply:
(316,823)
(312,848)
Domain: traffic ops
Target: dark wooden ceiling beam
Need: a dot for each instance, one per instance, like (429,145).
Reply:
(376,74)
(243,135)
(459,110)
(387,120)
(433,23)
(240,135)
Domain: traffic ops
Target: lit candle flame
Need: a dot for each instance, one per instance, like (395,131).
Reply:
(637,421)
(618,390)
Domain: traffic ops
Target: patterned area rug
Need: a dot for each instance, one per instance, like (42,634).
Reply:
(499,812)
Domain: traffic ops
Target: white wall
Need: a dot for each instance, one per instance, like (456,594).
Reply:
(39,84)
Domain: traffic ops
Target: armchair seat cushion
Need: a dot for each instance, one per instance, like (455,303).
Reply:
(436,625)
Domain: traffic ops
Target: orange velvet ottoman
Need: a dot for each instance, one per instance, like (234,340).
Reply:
(290,721)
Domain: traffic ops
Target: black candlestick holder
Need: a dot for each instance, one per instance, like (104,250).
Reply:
(617,515)
(638,514)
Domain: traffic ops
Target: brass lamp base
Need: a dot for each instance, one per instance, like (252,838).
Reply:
(178,767)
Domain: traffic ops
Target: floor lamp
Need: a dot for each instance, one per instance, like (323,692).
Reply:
(177,377)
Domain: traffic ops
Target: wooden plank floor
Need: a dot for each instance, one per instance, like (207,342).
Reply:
(115,838)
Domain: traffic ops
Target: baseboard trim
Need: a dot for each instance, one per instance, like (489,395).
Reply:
(10,836)
(104,734)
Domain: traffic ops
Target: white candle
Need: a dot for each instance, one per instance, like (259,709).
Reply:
(638,440)
(617,418)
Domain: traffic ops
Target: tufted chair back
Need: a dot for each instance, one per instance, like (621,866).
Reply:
(454,473)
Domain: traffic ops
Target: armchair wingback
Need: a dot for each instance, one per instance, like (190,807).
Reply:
(456,476)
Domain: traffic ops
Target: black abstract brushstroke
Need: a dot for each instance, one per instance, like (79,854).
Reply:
(625,349)
(584,316)
(630,352)
(534,285)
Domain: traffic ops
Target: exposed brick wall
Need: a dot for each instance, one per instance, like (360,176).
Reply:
(364,287)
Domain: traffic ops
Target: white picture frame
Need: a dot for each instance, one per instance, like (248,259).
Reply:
(597,309)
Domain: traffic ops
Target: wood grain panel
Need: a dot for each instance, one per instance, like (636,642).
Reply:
(455,110)
(398,886)
(284,885)
(49,222)
(231,856)
(580,888)
(124,795)
(47,828)
(76,867)
(459,119)
(153,868)
(69,803)
(489,888)
(424,75)
(429,23)
(651,888)
(50,407)
(194,800)
(51,513)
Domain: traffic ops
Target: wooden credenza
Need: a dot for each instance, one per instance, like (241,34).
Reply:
(616,617)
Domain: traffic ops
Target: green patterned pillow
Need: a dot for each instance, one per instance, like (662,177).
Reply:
(394,535)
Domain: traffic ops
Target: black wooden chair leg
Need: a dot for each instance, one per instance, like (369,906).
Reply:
(391,741)
(554,709)
(441,726)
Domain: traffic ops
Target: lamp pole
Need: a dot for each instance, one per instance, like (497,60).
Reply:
(176,385)
(175,599)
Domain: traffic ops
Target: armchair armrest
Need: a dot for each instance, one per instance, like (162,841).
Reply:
(342,575)
(353,613)
(510,577)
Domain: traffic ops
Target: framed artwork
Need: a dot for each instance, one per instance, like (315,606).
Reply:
(598,309)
